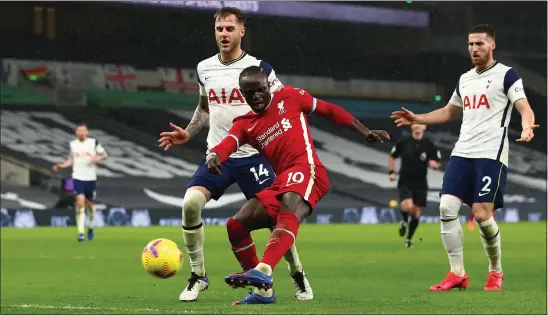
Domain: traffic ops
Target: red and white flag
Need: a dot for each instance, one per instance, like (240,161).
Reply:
(120,77)
(177,80)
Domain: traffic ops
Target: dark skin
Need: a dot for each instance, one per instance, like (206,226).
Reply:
(253,215)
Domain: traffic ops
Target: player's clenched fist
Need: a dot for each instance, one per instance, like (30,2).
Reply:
(213,163)
(169,139)
(404,117)
(377,135)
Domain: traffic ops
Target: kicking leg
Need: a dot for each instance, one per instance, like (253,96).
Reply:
(193,234)
(252,216)
(490,238)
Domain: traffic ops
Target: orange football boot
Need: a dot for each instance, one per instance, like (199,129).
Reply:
(494,281)
(471,223)
(450,282)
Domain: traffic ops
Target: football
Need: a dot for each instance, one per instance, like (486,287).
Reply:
(162,258)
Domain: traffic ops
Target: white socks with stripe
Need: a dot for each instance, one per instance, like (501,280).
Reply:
(451,232)
(193,230)
(490,238)
(81,220)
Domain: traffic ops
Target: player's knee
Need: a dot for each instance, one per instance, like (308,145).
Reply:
(449,207)
(407,205)
(291,202)
(193,203)
(482,211)
(80,210)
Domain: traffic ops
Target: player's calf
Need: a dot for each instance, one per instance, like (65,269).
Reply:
(193,230)
(80,216)
(406,207)
(242,244)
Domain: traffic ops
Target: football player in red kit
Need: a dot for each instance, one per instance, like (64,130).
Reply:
(277,126)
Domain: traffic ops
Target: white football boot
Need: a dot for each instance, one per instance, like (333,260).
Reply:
(303,290)
(195,285)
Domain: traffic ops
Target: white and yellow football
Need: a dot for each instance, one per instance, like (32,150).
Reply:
(162,258)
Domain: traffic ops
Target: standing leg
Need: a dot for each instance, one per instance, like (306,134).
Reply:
(91,218)
(193,234)
(490,238)
(415,218)
(80,215)
(489,191)
(406,207)
(457,187)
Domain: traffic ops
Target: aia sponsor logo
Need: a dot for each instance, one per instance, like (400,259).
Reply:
(83,154)
(475,102)
(225,96)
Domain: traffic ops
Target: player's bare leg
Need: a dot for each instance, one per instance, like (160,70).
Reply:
(453,241)
(90,206)
(193,234)
(80,216)
(413,224)
(490,238)
(406,208)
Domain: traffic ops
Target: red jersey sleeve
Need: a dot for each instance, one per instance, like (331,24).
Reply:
(335,113)
(230,144)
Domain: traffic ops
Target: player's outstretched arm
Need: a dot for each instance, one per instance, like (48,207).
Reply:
(180,136)
(340,116)
(405,117)
(527,120)
(67,163)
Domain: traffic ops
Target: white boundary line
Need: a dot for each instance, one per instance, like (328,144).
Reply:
(89,308)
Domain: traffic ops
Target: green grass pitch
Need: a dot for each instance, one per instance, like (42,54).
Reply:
(352,269)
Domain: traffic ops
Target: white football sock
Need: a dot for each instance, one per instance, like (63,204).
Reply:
(80,219)
(91,216)
(293,261)
(264,268)
(263,293)
(490,238)
(193,230)
(453,240)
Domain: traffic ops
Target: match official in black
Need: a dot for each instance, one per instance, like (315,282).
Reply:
(417,153)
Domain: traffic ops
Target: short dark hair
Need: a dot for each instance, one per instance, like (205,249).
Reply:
(226,11)
(81,124)
(251,70)
(483,28)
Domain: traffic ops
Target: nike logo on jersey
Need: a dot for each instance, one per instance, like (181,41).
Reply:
(252,127)
(263,181)
(483,194)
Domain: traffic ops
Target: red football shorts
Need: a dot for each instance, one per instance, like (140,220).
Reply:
(309,181)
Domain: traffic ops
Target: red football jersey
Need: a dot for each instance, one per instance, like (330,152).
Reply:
(281,133)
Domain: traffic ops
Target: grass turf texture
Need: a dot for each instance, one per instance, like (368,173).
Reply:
(352,269)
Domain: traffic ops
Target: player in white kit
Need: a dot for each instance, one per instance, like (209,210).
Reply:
(85,153)
(221,101)
(476,172)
